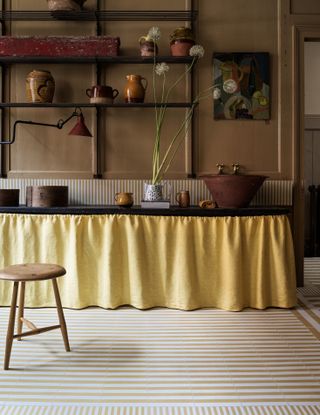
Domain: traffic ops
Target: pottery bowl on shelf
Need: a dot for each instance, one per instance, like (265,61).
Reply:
(65,5)
(233,190)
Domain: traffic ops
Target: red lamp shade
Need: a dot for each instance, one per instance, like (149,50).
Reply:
(80,128)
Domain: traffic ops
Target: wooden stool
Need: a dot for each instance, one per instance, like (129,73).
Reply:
(23,273)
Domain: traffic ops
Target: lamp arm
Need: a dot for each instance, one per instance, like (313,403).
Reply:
(58,125)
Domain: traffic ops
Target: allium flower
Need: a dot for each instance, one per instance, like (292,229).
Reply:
(197,51)
(162,157)
(230,86)
(154,33)
(161,68)
(216,93)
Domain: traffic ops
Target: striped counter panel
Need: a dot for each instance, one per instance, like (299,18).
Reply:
(101,192)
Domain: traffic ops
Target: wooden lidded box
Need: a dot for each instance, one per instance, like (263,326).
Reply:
(47,196)
(9,197)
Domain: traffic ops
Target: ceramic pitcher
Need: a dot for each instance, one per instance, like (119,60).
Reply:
(135,90)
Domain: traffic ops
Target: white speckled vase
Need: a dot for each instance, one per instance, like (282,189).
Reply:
(153,192)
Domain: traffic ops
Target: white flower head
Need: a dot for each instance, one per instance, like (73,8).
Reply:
(161,68)
(197,51)
(154,33)
(230,86)
(216,93)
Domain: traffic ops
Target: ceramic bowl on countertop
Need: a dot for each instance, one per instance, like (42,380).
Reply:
(233,190)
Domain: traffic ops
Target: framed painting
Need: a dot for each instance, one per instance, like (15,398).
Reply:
(241,86)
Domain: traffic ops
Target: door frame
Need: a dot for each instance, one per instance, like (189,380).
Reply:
(301,33)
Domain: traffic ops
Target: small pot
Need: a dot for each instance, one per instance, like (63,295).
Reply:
(148,48)
(124,199)
(153,192)
(181,41)
(40,86)
(68,5)
(181,47)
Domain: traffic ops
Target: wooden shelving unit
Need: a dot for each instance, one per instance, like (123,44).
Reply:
(97,16)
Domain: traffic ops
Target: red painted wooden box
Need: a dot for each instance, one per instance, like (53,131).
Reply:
(63,46)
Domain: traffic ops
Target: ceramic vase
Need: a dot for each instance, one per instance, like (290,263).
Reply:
(153,192)
(135,90)
(181,41)
(148,48)
(40,86)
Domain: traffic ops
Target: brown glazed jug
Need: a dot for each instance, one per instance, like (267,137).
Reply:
(135,90)
(40,86)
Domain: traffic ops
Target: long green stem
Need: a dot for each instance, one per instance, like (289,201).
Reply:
(185,122)
(166,161)
(160,167)
(183,75)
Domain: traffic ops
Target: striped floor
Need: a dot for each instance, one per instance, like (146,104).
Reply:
(311,289)
(166,362)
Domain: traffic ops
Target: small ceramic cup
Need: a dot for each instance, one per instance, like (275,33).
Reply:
(102,94)
(124,199)
(183,198)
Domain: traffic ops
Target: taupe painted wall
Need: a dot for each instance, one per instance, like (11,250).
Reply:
(127,134)
(312,78)
(274,148)
(223,25)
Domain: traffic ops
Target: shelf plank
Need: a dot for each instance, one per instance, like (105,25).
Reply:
(94,59)
(89,105)
(104,15)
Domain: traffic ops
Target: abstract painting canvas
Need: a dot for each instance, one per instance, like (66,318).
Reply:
(241,86)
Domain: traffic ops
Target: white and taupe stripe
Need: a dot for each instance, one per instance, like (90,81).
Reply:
(163,361)
(101,192)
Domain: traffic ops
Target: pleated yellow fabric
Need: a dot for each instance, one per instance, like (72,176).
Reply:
(148,261)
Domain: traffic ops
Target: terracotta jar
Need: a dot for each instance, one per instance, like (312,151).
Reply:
(181,47)
(135,90)
(66,5)
(40,86)
(181,41)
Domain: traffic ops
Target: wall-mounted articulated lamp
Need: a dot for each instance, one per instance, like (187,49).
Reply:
(80,127)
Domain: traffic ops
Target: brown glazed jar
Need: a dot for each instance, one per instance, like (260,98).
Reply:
(181,41)
(148,48)
(40,86)
(135,90)
(181,47)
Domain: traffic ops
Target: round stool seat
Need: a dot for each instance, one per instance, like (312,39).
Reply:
(31,272)
(20,274)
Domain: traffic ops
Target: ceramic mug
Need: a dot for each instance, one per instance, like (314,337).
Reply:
(183,198)
(102,94)
(124,199)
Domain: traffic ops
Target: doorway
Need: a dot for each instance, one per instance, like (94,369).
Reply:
(302,33)
(312,147)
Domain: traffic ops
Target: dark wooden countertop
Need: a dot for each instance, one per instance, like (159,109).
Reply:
(137,210)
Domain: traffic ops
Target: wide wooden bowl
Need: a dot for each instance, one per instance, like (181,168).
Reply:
(233,190)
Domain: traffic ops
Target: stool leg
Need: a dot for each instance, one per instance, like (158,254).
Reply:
(10,331)
(61,315)
(21,308)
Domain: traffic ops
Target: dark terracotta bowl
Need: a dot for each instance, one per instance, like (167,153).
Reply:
(9,197)
(233,190)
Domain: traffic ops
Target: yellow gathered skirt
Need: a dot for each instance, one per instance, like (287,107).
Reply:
(148,261)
